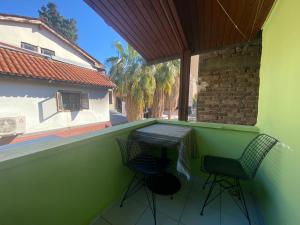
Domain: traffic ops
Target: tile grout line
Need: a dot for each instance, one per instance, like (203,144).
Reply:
(169,217)
(106,220)
(117,201)
(185,203)
(94,220)
(141,215)
(220,204)
(178,221)
(157,211)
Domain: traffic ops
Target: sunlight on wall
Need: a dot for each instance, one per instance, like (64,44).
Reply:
(277,184)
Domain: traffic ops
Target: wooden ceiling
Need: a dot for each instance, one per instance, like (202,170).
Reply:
(163,29)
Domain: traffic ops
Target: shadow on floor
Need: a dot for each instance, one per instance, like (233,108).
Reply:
(117,118)
(184,209)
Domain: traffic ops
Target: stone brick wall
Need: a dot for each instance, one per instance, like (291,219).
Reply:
(229,83)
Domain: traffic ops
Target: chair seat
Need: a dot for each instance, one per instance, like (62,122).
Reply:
(147,165)
(224,166)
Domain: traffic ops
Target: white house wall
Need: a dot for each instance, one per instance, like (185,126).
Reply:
(14,33)
(36,101)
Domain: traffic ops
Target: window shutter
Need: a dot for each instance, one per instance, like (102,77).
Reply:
(59,102)
(110,97)
(84,101)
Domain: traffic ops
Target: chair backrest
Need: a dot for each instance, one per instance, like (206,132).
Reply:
(255,152)
(129,149)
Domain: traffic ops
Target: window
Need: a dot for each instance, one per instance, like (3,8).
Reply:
(71,101)
(47,52)
(29,47)
(110,97)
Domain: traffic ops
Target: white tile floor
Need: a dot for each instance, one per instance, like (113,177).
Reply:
(184,209)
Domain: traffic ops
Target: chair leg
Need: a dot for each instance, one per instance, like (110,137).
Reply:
(152,203)
(235,192)
(209,193)
(154,207)
(128,189)
(206,181)
(243,200)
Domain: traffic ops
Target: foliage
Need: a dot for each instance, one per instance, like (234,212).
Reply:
(143,86)
(135,81)
(165,78)
(195,101)
(171,101)
(66,27)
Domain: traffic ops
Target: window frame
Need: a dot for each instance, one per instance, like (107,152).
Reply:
(43,49)
(23,44)
(82,95)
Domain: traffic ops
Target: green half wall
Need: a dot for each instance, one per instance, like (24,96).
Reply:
(278,183)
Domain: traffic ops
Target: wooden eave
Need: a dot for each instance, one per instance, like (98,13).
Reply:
(164,29)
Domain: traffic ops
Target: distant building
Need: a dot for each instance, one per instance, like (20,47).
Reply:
(47,82)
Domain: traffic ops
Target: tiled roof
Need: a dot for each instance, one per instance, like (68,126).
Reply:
(18,63)
(64,132)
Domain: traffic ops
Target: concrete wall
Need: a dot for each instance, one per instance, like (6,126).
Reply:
(36,101)
(14,33)
(70,181)
(228,84)
(278,183)
(224,140)
(67,182)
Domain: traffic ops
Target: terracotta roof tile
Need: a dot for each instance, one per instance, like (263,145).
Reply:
(14,62)
(64,132)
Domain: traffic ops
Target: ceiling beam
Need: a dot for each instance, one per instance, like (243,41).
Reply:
(174,21)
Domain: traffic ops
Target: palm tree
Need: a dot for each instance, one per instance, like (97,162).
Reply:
(135,82)
(165,75)
(171,101)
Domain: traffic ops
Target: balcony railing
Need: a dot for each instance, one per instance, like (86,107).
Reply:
(70,181)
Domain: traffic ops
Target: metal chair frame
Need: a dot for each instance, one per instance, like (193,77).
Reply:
(250,160)
(130,150)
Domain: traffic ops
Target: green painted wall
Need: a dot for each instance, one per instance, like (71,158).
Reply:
(218,139)
(66,185)
(278,183)
(70,184)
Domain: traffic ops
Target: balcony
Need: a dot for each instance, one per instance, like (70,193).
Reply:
(80,180)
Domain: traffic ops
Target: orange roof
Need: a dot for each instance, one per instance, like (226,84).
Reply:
(23,64)
(63,132)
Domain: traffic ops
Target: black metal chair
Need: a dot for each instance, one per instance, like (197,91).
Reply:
(244,168)
(144,166)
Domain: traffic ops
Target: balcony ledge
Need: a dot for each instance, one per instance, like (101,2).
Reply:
(222,126)
(52,142)
(48,143)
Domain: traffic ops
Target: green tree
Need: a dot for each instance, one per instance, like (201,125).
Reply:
(135,81)
(66,27)
(171,101)
(165,76)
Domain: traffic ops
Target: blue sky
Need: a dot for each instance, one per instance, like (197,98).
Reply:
(95,36)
